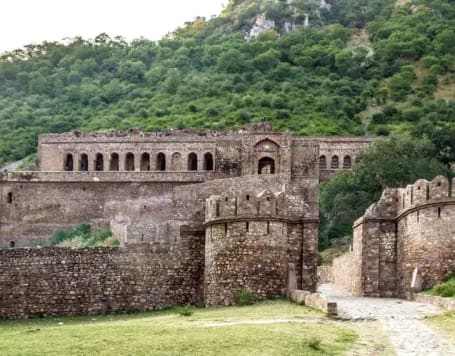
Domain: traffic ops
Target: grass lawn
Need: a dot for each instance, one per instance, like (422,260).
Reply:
(169,333)
(445,324)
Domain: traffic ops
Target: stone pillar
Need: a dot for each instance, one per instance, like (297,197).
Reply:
(153,161)
(121,161)
(76,162)
(106,161)
(91,162)
(309,255)
(137,161)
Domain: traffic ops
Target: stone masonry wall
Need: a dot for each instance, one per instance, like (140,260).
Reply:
(245,257)
(408,228)
(60,281)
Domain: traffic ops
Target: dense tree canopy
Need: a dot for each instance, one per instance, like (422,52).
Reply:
(393,162)
(313,81)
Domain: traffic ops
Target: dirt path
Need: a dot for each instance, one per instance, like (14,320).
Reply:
(399,318)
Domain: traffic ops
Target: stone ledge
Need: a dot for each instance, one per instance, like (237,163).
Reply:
(444,303)
(314,300)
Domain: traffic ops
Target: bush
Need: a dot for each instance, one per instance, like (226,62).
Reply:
(185,312)
(444,289)
(314,343)
(245,297)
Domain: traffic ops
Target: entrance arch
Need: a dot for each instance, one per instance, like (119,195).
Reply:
(266,165)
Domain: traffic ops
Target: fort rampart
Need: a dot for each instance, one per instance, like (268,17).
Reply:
(63,281)
(409,230)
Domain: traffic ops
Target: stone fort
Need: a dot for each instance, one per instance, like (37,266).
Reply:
(200,216)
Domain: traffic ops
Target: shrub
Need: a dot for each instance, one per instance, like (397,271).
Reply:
(444,289)
(314,343)
(245,297)
(185,312)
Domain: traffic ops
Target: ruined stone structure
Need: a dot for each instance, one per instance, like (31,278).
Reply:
(248,199)
(409,231)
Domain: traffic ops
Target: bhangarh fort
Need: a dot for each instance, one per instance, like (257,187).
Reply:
(200,217)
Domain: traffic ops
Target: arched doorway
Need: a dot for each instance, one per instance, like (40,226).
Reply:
(266,165)
(145,162)
(99,162)
(208,162)
(192,162)
(129,162)
(83,166)
(114,162)
(161,162)
(69,163)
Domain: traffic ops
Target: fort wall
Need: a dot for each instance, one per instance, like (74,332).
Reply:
(61,281)
(407,229)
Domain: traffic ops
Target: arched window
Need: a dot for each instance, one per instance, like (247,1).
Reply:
(347,162)
(266,165)
(114,162)
(208,162)
(145,162)
(83,164)
(161,162)
(69,163)
(99,162)
(129,162)
(192,161)
(322,162)
(335,162)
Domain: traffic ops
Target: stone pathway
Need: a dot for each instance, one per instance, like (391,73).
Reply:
(401,319)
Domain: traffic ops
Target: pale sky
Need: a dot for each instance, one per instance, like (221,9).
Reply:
(33,21)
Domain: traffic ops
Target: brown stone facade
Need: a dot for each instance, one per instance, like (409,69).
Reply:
(62,281)
(151,190)
(409,228)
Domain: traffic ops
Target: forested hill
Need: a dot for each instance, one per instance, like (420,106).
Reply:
(345,67)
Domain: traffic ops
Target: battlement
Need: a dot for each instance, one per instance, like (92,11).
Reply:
(246,205)
(395,202)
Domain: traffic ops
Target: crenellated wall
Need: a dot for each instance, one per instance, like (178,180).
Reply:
(408,228)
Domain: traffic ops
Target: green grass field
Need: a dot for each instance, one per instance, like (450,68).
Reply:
(170,333)
(445,324)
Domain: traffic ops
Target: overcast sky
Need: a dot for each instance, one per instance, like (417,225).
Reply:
(33,21)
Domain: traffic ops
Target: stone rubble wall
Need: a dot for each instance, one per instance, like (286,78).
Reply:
(325,275)
(315,301)
(63,281)
(444,303)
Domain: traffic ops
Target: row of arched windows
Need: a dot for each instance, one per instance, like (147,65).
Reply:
(145,163)
(335,162)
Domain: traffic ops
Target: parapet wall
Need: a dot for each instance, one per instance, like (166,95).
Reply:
(407,229)
(62,281)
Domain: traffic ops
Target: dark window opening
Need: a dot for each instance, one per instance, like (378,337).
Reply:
(129,162)
(114,162)
(439,212)
(208,162)
(217,209)
(418,216)
(69,163)
(83,166)
(192,162)
(266,166)
(268,227)
(99,162)
(160,162)
(145,162)
(347,162)
(335,162)
(247,197)
(10,198)
(225,229)
(322,162)
(428,192)
(12,244)
(247,226)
